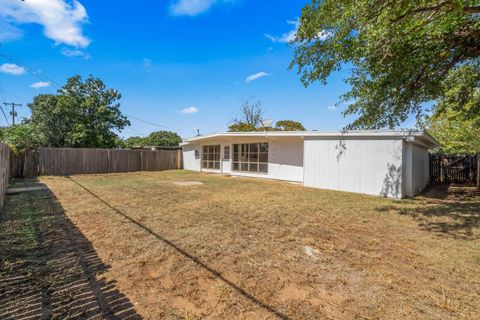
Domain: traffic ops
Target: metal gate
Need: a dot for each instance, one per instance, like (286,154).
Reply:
(446,168)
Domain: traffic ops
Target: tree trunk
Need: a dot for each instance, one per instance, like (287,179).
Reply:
(478,171)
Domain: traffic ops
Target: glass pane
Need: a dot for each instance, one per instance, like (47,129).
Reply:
(263,168)
(210,165)
(217,149)
(217,157)
(205,149)
(253,167)
(253,157)
(210,156)
(235,157)
(235,148)
(235,166)
(253,148)
(263,157)
(263,147)
(244,167)
(204,164)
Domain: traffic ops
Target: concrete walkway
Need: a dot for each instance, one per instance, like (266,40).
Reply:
(26,189)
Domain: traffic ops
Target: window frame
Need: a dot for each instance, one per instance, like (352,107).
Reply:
(246,157)
(226,153)
(211,157)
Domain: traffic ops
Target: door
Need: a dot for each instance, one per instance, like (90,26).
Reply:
(226,159)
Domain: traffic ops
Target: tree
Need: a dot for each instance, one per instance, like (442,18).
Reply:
(163,138)
(157,138)
(19,136)
(82,114)
(400,53)
(250,117)
(289,125)
(135,142)
(456,125)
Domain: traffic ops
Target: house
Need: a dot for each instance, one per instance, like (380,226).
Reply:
(386,163)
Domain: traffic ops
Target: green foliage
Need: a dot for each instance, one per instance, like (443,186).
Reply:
(163,138)
(19,136)
(241,127)
(157,138)
(400,53)
(82,114)
(289,125)
(456,124)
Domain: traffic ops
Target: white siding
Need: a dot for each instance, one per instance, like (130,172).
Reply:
(417,168)
(285,158)
(371,166)
(190,162)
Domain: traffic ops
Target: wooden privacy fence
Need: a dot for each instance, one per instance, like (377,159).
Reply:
(69,161)
(4,168)
(454,168)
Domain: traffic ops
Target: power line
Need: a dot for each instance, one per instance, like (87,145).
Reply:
(146,121)
(6,119)
(37,74)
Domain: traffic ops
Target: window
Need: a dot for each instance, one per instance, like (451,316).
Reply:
(226,153)
(252,157)
(211,157)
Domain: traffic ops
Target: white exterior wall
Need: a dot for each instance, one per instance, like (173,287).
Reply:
(371,166)
(417,168)
(285,158)
(190,162)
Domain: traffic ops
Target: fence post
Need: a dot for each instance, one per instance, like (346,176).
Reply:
(478,171)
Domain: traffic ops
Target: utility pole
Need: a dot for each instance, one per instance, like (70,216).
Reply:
(13,113)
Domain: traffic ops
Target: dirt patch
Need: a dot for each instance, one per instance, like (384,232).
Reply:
(187,183)
(254,249)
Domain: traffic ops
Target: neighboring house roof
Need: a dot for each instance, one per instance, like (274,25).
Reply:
(420,136)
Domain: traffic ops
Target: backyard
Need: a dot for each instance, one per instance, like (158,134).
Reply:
(183,245)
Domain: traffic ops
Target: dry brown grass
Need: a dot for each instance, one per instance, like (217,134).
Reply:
(252,249)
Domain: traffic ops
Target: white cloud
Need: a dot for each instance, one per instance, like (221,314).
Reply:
(62,20)
(189,110)
(13,69)
(288,36)
(256,76)
(75,53)
(8,31)
(38,85)
(194,7)
(291,35)
(191,7)
(332,108)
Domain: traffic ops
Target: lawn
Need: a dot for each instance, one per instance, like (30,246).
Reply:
(139,245)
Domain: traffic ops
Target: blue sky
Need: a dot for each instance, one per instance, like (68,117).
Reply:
(183,64)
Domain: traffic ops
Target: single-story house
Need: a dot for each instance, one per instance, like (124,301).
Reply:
(385,163)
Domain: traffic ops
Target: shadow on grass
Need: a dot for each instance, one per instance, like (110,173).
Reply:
(189,256)
(447,210)
(48,269)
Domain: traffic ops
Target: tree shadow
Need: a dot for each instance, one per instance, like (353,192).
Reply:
(446,210)
(274,312)
(48,269)
(392,183)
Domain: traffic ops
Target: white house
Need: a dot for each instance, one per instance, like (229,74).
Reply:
(385,163)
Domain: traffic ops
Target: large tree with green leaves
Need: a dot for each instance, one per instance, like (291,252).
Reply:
(82,114)
(402,55)
(156,138)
